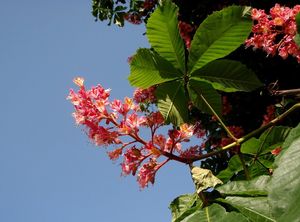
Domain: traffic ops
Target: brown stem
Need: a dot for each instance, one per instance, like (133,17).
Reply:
(286,92)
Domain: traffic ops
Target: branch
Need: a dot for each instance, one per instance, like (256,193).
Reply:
(219,119)
(246,137)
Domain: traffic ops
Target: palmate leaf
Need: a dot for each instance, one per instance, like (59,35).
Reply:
(172,102)
(147,68)
(219,34)
(228,75)
(199,90)
(162,32)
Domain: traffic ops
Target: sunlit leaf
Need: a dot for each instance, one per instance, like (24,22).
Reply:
(147,68)
(163,34)
(218,35)
(173,102)
(184,205)
(228,75)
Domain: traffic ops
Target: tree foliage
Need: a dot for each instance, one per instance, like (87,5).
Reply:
(243,105)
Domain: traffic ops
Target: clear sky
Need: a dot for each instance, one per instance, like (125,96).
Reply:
(49,171)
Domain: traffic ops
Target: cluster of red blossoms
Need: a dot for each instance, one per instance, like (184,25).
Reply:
(275,33)
(119,123)
(186,32)
(137,18)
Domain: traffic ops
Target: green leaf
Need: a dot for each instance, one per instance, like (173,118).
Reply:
(285,184)
(199,90)
(256,168)
(292,136)
(269,140)
(219,34)
(234,166)
(255,209)
(172,102)
(228,75)
(184,205)
(253,188)
(163,34)
(297,37)
(251,146)
(249,198)
(204,179)
(214,213)
(298,22)
(147,68)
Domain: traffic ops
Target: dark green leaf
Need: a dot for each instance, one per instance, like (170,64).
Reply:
(228,75)
(199,90)
(269,140)
(256,168)
(162,32)
(147,68)
(298,22)
(297,37)
(219,34)
(234,166)
(172,102)
(120,8)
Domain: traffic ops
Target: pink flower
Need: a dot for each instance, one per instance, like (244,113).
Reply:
(147,173)
(145,95)
(79,81)
(132,160)
(102,136)
(266,31)
(191,152)
(186,131)
(155,119)
(134,121)
(115,154)
(276,151)
(160,141)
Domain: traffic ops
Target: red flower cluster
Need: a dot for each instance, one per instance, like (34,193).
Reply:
(119,122)
(237,131)
(149,4)
(270,115)
(144,95)
(186,31)
(133,18)
(274,33)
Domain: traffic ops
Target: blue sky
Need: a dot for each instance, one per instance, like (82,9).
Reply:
(49,170)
